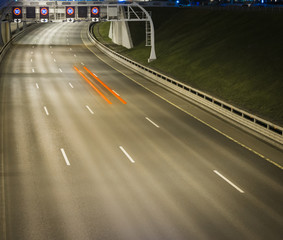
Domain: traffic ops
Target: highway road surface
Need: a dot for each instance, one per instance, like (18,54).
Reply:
(89,153)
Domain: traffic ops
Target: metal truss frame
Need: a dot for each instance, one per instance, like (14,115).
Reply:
(124,12)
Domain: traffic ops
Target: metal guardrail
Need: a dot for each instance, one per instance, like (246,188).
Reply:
(259,125)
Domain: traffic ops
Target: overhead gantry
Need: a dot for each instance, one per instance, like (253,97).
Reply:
(49,11)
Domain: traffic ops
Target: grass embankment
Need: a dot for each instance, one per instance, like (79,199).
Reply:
(233,55)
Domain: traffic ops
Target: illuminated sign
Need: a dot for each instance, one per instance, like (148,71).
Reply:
(95,12)
(44,12)
(70,12)
(17,12)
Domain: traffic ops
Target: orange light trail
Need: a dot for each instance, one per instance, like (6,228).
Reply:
(104,85)
(90,83)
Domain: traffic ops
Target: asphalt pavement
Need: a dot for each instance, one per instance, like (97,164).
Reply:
(83,161)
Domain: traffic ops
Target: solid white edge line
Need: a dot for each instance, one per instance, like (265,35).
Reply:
(71,85)
(46,111)
(31,60)
(152,122)
(89,109)
(228,181)
(128,156)
(37,86)
(54,60)
(65,156)
(60,70)
(32,70)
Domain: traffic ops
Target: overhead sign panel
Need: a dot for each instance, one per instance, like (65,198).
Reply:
(44,12)
(95,12)
(30,12)
(17,12)
(70,12)
(82,12)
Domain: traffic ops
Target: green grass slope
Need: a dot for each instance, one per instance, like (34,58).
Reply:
(236,56)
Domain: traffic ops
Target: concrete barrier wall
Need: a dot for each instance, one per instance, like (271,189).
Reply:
(8,30)
(14,26)
(5,32)
(259,125)
(7,45)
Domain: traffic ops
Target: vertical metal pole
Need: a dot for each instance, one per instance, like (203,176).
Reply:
(55,12)
(152,51)
(152,56)
(18,28)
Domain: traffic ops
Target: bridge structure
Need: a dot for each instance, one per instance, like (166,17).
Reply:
(27,12)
